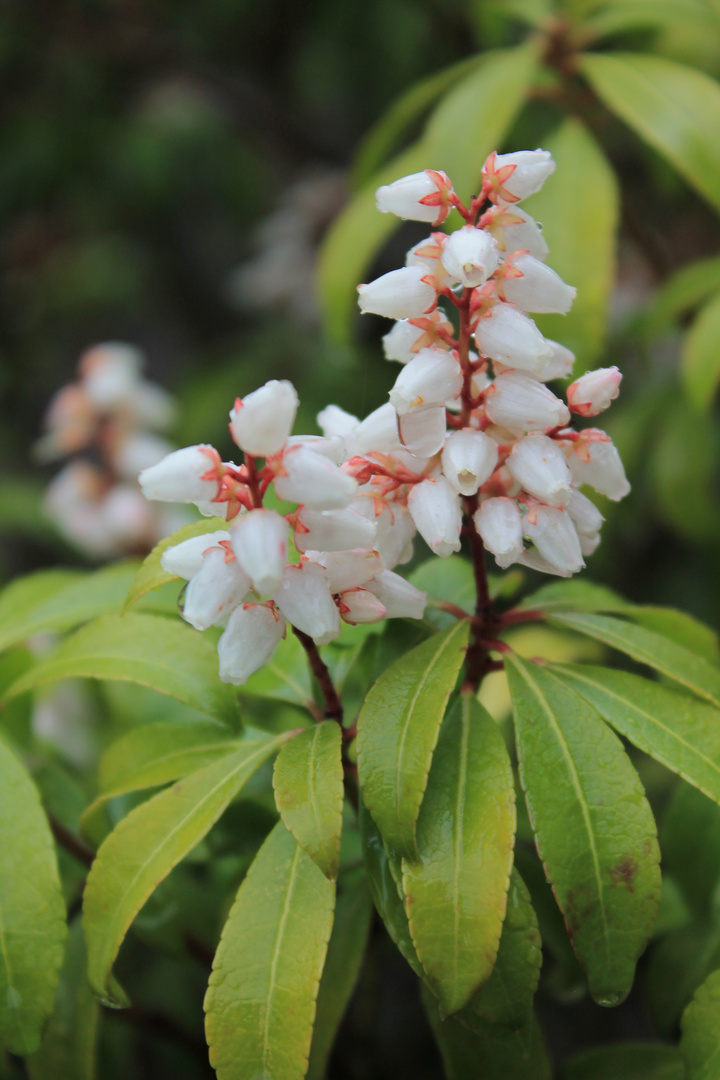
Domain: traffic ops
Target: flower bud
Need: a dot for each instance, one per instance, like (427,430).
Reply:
(216,590)
(252,635)
(413,197)
(522,404)
(470,256)
(507,335)
(553,533)
(260,542)
(585,514)
(406,338)
(360,606)
(347,569)
(261,421)
(401,294)
(594,391)
(428,379)
(513,229)
(469,457)
(539,289)
(334,530)
(435,509)
(314,481)
(400,599)
(305,600)
(379,431)
(499,523)
(422,431)
(539,466)
(604,471)
(516,176)
(186,476)
(186,558)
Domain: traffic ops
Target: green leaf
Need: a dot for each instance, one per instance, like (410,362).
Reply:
(683,291)
(67,1051)
(700,1043)
(629,1061)
(677,730)
(151,650)
(456,891)
(260,1003)
(469,122)
(398,728)
(679,627)
(384,890)
(151,574)
(308,783)
(674,108)
(452,580)
(148,843)
(690,845)
(701,356)
(507,996)
(594,828)
(493,1052)
(582,244)
(348,940)
(32,911)
(577,594)
(284,678)
(682,467)
(27,593)
(647,647)
(628,15)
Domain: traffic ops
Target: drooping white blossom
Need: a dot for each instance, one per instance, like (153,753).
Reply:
(261,421)
(401,294)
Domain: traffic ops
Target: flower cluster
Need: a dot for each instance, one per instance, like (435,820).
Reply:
(107,422)
(507,451)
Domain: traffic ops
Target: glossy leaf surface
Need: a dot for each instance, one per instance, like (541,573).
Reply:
(456,891)
(260,1003)
(148,843)
(398,728)
(151,574)
(700,1043)
(148,649)
(308,783)
(32,911)
(701,358)
(629,1061)
(593,826)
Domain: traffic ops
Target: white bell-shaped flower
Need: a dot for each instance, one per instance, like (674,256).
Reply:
(403,196)
(604,471)
(553,533)
(470,256)
(585,514)
(185,558)
(305,600)
(422,431)
(588,544)
(558,365)
(430,378)
(531,170)
(216,590)
(400,599)
(337,423)
(111,374)
(179,476)
(593,391)
(469,457)
(335,448)
(334,530)
(499,523)
(522,404)
(513,228)
(505,334)
(360,606)
(539,466)
(314,481)
(251,637)
(261,421)
(260,542)
(401,294)
(427,253)
(347,569)
(395,529)
(379,431)
(436,511)
(401,343)
(539,289)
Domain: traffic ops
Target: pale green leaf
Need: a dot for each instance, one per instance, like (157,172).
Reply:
(161,653)
(690,845)
(683,291)
(308,783)
(456,891)
(700,1043)
(627,15)
(593,826)
(628,1061)
(582,245)
(148,843)
(398,728)
(348,941)
(701,356)
(674,108)
(682,466)
(677,730)
(32,911)
(27,593)
(151,575)
(576,594)
(260,1003)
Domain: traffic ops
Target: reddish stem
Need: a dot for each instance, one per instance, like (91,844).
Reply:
(333,705)
(253,481)
(515,616)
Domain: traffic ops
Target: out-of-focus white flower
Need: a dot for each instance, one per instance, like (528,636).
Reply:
(499,523)
(469,457)
(516,176)
(538,288)
(110,373)
(553,533)
(603,470)
(251,637)
(128,517)
(185,475)
(314,481)
(436,511)
(401,294)
(421,196)
(585,514)
(261,421)
(470,256)
(594,391)
(505,334)
(185,558)
(539,466)
(360,606)
(216,590)
(139,450)
(400,599)
(428,379)
(305,600)
(522,404)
